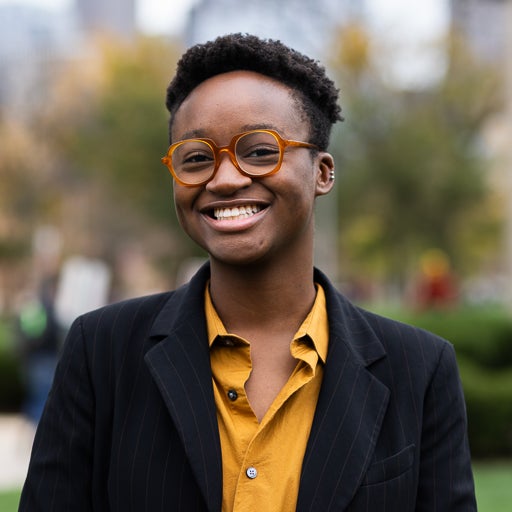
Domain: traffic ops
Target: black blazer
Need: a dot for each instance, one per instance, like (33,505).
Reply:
(130,423)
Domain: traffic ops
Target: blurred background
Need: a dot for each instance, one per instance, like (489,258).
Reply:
(419,226)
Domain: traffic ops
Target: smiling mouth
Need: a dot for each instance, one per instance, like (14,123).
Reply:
(235,213)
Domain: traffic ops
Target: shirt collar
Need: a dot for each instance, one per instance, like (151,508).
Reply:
(315,326)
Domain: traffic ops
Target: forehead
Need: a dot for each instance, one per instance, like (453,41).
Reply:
(237,100)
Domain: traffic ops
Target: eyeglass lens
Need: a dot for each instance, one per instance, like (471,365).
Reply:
(257,153)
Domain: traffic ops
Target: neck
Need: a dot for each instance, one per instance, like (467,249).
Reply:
(257,297)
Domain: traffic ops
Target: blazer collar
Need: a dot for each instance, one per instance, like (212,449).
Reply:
(184,303)
(348,325)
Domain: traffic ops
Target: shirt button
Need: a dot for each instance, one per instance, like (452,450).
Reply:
(232,395)
(251,472)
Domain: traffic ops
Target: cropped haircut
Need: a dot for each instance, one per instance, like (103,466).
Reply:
(315,93)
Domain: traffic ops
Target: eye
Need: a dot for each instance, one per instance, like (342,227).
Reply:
(192,157)
(262,154)
(261,151)
(258,148)
(197,158)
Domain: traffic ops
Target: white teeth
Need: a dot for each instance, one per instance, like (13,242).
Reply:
(238,212)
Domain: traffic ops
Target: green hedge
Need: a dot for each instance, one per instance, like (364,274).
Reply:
(489,406)
(12,389)
(481,335)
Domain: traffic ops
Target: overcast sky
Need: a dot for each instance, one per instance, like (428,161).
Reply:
(405,17)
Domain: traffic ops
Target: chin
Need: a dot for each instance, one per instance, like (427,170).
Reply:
(235,260)
(238,257)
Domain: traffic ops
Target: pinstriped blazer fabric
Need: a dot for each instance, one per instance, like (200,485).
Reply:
(130,423)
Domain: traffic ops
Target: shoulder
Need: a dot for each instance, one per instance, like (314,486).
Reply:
(414,353)
(130,312)
(114,336)
(117,327)
(389,329)
(365,327)
(373,338)
(134,321)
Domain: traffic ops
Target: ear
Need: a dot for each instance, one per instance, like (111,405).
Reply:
(325,173)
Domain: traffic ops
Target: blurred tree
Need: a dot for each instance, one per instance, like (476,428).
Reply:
(18,191)
(122,139)
(412,169)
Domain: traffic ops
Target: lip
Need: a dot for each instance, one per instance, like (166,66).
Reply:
(233,225)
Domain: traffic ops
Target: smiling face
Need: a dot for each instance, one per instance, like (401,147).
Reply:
(235,218)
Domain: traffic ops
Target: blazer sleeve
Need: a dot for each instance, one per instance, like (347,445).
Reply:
(60,469)
(445,476)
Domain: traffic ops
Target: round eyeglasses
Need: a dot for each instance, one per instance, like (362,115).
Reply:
(255,153)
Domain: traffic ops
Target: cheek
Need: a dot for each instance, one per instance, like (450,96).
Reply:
(305,181)
(182,202)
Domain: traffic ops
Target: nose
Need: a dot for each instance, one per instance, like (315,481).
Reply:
(228,179)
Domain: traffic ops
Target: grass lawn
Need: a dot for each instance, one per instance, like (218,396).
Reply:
(9,501)
(493,481)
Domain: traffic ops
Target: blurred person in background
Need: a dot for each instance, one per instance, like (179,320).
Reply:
(436,287)
(39,341)
(257,385)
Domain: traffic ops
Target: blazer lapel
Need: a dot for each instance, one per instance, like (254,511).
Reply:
(180,366)
(349,412)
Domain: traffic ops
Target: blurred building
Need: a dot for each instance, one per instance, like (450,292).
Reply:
(306,26)
(32,43)
(484,23)
(35,41)
(112,16)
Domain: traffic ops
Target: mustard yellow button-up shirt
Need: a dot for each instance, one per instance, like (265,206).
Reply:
(261,461)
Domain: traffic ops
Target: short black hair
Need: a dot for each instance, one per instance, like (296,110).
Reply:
(315,92)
